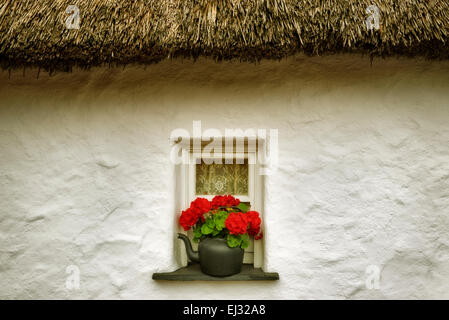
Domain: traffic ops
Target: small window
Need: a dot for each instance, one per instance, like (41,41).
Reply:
(209,175)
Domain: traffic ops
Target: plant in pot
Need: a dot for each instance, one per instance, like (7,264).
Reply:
(223,227)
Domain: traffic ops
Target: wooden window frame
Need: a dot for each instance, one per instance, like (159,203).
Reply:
(186,180)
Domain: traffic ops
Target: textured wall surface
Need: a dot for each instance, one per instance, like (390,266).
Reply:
(85,176)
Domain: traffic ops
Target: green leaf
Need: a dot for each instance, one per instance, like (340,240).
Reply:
(221,215)
(215,232)
(243,207)
(220,223)
(219,219)
(206,230)
(197,233)
(233,241)
(210,223)
(245,241)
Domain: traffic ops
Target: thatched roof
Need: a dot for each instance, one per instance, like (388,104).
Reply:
(34,33)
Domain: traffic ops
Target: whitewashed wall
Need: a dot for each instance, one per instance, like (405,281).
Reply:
(85,176)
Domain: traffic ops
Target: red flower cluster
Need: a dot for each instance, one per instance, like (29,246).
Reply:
(188,219)
(237,223)
(241,223)
(254,222)
(201,204)
(197,209)
(224,201)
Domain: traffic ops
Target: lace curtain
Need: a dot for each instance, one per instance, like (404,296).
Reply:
(218,179)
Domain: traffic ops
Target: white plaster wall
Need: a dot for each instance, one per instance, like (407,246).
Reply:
(85,176)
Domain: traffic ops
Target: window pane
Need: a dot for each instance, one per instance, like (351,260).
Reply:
(212,179)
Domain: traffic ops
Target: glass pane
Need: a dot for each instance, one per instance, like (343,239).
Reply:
(213,179)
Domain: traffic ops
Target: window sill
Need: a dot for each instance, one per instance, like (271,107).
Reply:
(193,273)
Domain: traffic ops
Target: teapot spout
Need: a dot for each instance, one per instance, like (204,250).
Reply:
(193,255)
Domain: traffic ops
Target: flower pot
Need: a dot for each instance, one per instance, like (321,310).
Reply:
(216,258)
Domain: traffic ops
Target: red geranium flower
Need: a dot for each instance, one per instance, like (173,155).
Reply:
(254,222)
(197,209)
(236,223)
(224,201)
(188,218)
(202,204)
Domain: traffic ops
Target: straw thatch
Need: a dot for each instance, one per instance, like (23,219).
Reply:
(33,32)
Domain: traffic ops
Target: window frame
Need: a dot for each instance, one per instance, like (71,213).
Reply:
(186,177)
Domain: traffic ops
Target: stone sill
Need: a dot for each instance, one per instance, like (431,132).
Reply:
(193,273)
